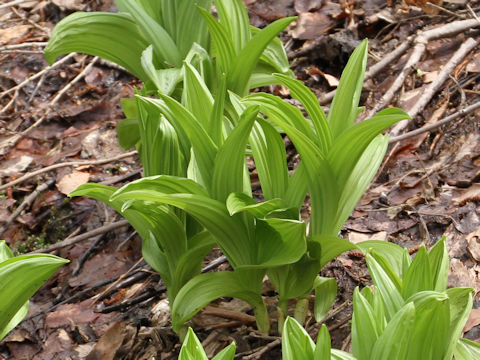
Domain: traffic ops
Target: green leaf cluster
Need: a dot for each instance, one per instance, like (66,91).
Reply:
(20,278)
(194,124)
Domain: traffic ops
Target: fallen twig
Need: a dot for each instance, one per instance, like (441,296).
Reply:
(26,202)
(82,237)
(427,95)
(439,123)
(69,163)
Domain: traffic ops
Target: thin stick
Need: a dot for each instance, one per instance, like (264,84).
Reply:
(82,237)
(37,75)
(69,163)
(26,202)
(427,95)
(439,123)
(12,3)
(23,45)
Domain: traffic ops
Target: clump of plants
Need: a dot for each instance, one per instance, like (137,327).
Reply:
(194,124)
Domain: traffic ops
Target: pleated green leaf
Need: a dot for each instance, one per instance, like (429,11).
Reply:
(393,342)
(114,37)
(226,354)
(343,110)
(382,276)
(245,61)
(296,343)
(20,278)
(269,153)
(274,56)
(238,202)
(364,329)
(165,80)
(310,102)
(467,350)
(234,17)
(439,265)
(325,295)
(418,277)
(323,347)
(389,251)
(331,247)
(461,301)
(196,96)
(205,288)
(229,168)
(164,46)
(192,349)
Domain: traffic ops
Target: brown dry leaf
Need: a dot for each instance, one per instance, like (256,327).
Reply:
(473,245)
(461,275)
(473,65)
(311,25)
(302,6)
(473,320)
(331,80)
(356,237)
(79,313)
(69,4)
(11,33)
(15,166)
(430,76)
(422,4)
(110,343)
(470,194)
(70,182)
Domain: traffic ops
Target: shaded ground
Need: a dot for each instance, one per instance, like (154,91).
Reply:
(107,303)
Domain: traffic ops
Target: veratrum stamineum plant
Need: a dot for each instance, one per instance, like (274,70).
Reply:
(20,278)
(339,158)
(167,147)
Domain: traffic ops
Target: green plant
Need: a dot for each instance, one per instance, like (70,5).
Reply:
(268,237)
(192,349)
(20,278)
(410,313)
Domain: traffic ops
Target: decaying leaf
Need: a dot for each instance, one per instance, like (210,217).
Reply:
(423,4)
(70,182)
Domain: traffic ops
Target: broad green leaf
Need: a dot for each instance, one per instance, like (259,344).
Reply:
(331,247)
(461,301)
(274,55)
(342,355)
(165,80)
(418,277)
(429,339)
(364,329)
(323,347)
(234,17)
(245,61)
(343,110)
(226,354)
(296,343)
(269,153)
(359,179)
(114,37)
(160,152)
(325,295)
(349,147)
(205,288)
(439,265)
(196,96)
(217,117)
(297,187)
(238,202)
(230,161)
(20,278)
(190,27)
(222,44)
(310,102)
(229,232)
(164,47)
(5,252)
(382,278)
(391,252)
(183,120)
(128,133)
(393,342)
(279,242)
(192,349)
(467,350)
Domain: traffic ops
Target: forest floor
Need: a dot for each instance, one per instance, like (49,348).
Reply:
(57,131)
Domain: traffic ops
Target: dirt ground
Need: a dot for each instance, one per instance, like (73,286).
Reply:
(57,131)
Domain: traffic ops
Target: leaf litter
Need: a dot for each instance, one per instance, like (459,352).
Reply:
(428,185)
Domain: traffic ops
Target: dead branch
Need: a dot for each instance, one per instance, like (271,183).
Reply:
(82,237)
(462,112)
(421,41)
(69,163)
(427,95)
(26,202)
